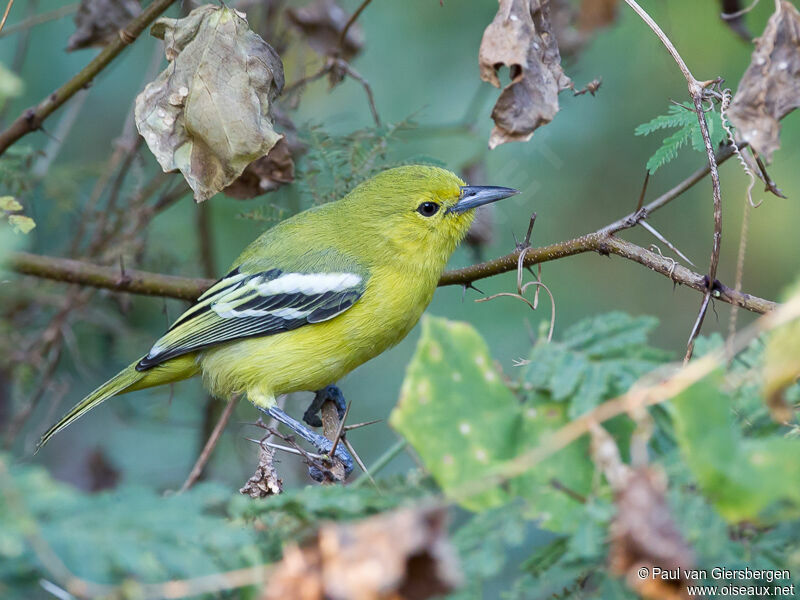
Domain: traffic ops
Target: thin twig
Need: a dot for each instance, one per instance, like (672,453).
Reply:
(353,18)
(5,14)
(34,20)
(665,241)
(200,464)
(345,66)
(696,89)
(32,118)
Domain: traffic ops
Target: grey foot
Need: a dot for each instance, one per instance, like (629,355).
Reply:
(322,444)
(332,393)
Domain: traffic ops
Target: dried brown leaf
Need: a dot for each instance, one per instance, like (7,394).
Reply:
(521,38)
(322,23)
(97,22)
(643,535)
(265,481)
(208,113)
(594,14)
(265,174)
(400,555)
(770,88)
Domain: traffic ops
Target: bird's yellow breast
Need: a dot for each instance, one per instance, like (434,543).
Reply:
(316,355)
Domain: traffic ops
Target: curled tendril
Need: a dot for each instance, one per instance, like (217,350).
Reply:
(522,288)
(726,102)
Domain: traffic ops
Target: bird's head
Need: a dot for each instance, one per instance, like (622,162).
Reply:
(422,208)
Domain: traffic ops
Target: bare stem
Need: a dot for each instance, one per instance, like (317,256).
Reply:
(202,460)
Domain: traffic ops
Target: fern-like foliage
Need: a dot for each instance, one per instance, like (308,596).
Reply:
(335,164)
(685,120)
(597,359)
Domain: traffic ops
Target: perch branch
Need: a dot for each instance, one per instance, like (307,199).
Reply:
(32,118)
(187,288)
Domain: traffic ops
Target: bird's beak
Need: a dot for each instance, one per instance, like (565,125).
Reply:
(473,196)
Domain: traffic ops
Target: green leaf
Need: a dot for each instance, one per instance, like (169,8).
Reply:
(746,479)
(456,411)
(463,421)
(598,358)
(11,85)
(685,119)
(21,223)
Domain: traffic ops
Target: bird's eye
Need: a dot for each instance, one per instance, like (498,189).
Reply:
(428,209)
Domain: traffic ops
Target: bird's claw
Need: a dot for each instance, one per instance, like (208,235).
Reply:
(330,392)
(324,473)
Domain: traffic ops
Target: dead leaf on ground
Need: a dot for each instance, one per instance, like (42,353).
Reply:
(322,22)
(770,88)
(400,555)
(97,22)
(208,114)
(520,38)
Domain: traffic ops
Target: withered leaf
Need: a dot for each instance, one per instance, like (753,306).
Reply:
(643,534)
(98,21)
(770,88)
(208,113)
(322,23)
(265,174)
(264,481)
(521,38)
(400,555)
(596,13)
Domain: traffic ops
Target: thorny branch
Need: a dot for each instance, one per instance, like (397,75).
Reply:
(696,91)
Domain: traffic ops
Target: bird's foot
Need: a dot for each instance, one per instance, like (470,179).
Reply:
(326,467)
(332,393)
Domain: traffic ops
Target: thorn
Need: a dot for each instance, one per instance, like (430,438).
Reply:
(364,424)
(358,460)
(340,429)
(664,240)
(644,191)
(470,286)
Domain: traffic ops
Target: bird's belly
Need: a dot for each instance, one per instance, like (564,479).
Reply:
(315,355)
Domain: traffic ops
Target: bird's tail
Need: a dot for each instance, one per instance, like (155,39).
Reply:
(127,380)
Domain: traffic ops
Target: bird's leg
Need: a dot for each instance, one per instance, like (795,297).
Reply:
(321,443)
(332,393)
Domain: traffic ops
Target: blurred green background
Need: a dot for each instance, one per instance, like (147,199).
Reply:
(578,173)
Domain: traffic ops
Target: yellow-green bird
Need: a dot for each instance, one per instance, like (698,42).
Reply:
(314,297)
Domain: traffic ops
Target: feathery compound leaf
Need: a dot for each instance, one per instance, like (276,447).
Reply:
(685,118)
(208,113)
(598,359)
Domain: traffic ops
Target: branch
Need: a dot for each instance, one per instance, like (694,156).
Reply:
(83,273)
(187,288)
(696,91)
(32,118)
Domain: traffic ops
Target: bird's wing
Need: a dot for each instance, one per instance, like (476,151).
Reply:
(242,305)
